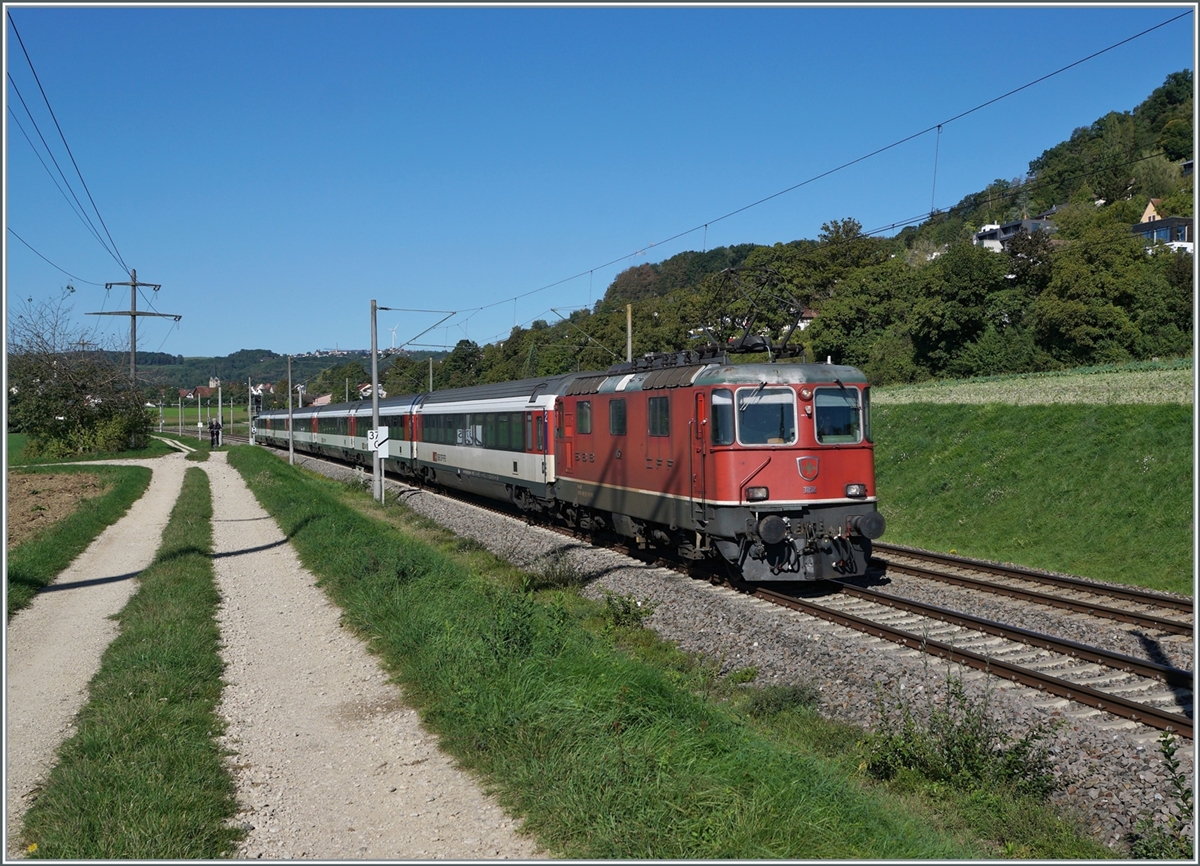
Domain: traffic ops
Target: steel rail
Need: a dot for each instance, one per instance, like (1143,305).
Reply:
(1118,661)
(1172,626)
(1029,574)
(1113,704)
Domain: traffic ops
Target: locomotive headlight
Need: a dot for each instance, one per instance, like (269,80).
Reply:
(757,494)
(856,491)
(806,394)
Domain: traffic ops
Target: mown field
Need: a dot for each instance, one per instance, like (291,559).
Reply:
(1089,473)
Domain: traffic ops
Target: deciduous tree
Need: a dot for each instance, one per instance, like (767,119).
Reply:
(67,393)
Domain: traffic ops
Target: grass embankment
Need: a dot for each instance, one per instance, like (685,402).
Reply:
(143,778)
(1103,491)
(35,563)
(608,743)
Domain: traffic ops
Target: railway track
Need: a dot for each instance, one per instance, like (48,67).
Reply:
(1140,690)
(1136,689)
(1124,604)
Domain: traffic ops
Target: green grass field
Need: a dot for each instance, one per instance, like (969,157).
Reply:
(609,743)
(1103,491)
(16,453)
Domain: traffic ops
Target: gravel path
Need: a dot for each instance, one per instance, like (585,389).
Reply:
(54,646)
(329,764)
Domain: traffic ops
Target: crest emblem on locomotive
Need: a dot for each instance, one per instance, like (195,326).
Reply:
(807,467)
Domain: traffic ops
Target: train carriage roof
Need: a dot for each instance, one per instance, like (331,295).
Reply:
(713,375)
(779,374)
(387,406)
(528,388)
(617,379)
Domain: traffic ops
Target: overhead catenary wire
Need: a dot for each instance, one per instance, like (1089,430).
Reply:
(935,127)
(605,307)
(72,205)
(77,208)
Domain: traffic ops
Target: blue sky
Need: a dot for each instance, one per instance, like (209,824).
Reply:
(274,169)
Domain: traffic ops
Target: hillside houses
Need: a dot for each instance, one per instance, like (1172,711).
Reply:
(1175,232)
(1171,231)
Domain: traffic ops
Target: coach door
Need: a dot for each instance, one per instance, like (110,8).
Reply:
(698,453)
(565,434)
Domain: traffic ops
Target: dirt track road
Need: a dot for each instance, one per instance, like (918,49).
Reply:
(330,763)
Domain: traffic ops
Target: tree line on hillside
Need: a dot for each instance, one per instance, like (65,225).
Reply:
(927,302)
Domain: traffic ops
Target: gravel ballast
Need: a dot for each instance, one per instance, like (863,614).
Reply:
(330,764)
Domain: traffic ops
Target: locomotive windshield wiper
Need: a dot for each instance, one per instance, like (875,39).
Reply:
(746,404)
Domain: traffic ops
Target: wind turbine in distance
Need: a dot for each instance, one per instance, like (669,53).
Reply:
(393,330)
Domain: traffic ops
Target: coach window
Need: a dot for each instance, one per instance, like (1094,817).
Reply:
(837,416)
(660,416)
(583,416)
(766,416)
(722,417)
(616,417)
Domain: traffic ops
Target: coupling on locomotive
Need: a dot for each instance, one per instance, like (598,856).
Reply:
(767,466)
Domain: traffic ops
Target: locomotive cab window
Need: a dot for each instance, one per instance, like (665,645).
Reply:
(766,416)
(837,414)
(583,417)
(722,417)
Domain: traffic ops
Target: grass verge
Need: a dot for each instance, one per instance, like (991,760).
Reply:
(607,742)
(36,562)
(16,453)
(1101,491)
(143,777)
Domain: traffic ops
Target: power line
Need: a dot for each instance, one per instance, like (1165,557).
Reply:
(81,211)
(117,253)
(82,217)
(50,263)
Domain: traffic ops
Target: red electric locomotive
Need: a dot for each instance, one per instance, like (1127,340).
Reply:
(769,465)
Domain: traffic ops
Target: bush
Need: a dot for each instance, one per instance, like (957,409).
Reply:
(772,700)
(625,611)
(961,745)
(68,395)
(1170,841)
